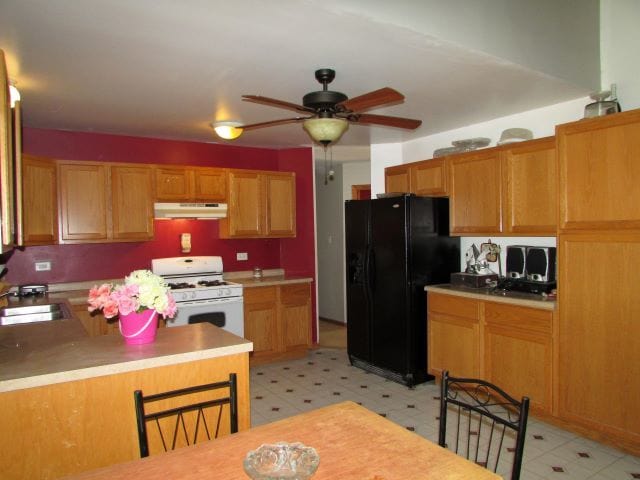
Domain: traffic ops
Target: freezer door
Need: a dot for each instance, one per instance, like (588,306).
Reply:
(357,251)
(390,327)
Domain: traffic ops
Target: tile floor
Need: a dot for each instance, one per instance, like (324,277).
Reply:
(325,376)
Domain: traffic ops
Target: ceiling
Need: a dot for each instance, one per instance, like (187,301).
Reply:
(167,68)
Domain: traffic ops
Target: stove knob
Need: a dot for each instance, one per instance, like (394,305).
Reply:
(227,292)
(193,295)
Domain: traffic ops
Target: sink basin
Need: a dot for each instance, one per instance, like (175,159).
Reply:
(33,313)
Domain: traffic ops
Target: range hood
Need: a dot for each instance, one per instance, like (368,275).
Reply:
(203,211)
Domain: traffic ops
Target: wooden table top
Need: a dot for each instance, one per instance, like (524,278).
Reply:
(353,443)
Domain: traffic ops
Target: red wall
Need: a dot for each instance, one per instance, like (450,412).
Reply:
(71,263)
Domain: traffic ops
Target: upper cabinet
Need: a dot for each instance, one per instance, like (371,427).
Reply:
(530,186)
(505,190)
(132,208)
(183,184)
(598,172)
(104,202)
(261,204)
(475,191)
(397,179)
(39,201)
(429,177)
(426,178)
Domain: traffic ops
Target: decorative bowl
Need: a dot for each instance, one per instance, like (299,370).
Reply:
(282,460)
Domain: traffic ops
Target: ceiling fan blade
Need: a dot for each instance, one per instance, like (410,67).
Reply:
(273,123)
(276,103)
(385,120)
(377,98)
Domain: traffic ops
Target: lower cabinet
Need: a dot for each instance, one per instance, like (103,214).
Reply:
(518,352)
(454,336)
(277,319)
(509,345)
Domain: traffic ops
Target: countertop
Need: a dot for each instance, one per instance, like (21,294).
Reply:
(44,353)
(491,295)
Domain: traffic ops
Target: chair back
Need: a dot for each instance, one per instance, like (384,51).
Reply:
(480,421)
(186,416)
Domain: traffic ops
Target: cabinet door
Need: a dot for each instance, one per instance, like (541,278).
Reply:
(261,319)
(245,217)
(453,336)
(174,184)
(599,172)
(295,316)
(210,184)
(83,201)
(475,192)
(530,188)
(396,179)
(280,204)
(599,343)
(39,202)
(429,178)
(132,202)
(518,352)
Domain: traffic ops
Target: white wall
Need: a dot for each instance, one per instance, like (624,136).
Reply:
(330,200)
(620,38)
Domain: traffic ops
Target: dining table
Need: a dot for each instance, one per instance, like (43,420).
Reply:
(352,443)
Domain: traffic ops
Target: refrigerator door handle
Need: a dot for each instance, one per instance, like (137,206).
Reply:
(371,269)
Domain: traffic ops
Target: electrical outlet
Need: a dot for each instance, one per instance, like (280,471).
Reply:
(43,266)
(242,256)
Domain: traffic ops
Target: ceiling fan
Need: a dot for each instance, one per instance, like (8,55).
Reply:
(327,114)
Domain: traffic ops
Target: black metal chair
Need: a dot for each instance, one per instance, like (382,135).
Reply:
(480,421)
(173,424)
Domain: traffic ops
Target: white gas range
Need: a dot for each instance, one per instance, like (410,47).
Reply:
(201,293)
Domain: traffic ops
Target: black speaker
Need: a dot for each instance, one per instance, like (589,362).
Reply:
(540,264)
(516,257)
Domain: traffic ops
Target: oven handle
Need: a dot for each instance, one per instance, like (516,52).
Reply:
(211,301)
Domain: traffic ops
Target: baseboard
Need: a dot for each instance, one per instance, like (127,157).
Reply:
(334,322)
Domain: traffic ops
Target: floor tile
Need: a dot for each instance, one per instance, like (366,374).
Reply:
(325,377)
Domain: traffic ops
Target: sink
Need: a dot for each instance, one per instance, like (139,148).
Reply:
(33,313)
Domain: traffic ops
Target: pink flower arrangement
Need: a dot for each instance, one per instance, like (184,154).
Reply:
(141,290)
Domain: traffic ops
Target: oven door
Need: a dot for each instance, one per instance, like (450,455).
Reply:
(226,313)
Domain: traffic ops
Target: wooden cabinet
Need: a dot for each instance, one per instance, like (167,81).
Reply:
(280,204)
(530,186)
(453,335)
(295,305)
(425,178)
(277,319)
(182,184)
(261,204)
(39,201)
(397,179)
(509,345)
(475,193)
(505,190)
(104,202)
(518,352)
(261,320)
(599,173)
(429,178)
(599,334)
(84,202)
(132,208)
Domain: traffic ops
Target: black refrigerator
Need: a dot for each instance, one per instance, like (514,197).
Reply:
(394,247)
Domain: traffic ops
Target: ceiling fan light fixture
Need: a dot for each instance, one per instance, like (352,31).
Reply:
(227,130)
(325,130)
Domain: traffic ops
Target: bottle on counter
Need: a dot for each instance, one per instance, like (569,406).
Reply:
(257,273)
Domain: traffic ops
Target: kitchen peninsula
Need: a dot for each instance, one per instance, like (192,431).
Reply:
(67,399)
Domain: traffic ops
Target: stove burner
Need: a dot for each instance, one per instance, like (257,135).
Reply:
(177,286)
(212,283)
